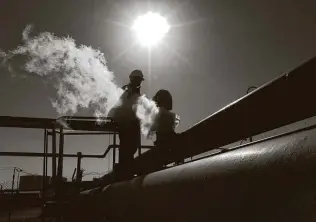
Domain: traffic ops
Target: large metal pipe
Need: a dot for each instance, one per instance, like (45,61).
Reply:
(270,180)
(278,103)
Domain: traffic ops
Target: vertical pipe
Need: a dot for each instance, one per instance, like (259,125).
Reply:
(44,154)
(114,151)
(18,180)
(44,161)
(78,177)
(73,175)
(54,156)
(59,178)
(140,145)
(13,178)
(60,155)
(46,166)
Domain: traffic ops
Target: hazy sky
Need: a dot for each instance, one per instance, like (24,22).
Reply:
(214,52)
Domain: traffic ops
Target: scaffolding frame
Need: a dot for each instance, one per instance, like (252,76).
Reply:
(64,126)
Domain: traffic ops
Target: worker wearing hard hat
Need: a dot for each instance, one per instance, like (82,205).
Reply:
(136,78)
(129,125)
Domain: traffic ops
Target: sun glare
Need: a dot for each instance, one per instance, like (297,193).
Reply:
(150,28)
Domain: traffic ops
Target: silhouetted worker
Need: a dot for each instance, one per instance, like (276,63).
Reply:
(166,120)
(165,123)
(129,125)
(163,126)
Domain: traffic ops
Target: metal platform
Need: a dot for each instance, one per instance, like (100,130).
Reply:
(62,126)
(57,129)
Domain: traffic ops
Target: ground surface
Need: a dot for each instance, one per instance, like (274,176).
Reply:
(29,214)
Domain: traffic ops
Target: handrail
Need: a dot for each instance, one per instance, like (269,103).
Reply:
(33,154)
(78,123)
(87,123)
(85,118)
(82,132)
(273,105)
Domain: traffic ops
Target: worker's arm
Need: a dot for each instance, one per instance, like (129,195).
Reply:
(176,120)
(113,110)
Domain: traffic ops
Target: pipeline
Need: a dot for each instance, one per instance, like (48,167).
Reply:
(278,103)
(275,104)
(270,180)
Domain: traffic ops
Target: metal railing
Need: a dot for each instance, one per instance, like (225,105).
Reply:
(66,125)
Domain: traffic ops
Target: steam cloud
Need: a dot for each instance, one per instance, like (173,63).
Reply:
(82,76)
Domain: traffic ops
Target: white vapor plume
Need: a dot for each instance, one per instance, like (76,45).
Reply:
(147,112)
(81,73)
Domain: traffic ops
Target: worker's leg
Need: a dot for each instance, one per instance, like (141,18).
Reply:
(129,143)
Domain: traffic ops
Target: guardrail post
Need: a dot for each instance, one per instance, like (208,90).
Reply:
(45,160)
(60,156)
(13,179)
(54,156)
(78,177)
(114,150)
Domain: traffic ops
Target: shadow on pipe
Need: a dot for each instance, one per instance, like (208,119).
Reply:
(272,180)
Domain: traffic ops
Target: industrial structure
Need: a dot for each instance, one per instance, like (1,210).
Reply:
(272,179)
(32,182)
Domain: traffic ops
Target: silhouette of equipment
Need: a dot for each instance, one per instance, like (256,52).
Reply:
(268,180)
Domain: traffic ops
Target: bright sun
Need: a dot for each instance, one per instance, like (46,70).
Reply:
(150,28)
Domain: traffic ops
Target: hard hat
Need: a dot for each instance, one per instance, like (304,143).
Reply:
(137,73)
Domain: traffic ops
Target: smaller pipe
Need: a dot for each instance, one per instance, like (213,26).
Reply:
(114,152)
(84,133)
(88,118)
(29,154)
(73,174)
(60,156)
(18,180)
(45,161)
(54,155)
(59,182)
(13,178)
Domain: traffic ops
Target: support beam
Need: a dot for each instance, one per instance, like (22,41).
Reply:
(45,160)
(79,176)
(54,159)
(60,156)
